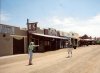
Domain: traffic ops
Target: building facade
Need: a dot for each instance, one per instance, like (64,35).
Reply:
(47,40)
(13,40)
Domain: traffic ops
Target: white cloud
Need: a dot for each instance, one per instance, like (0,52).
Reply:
(64,21)
(90,26)
(95,20)
(4,18)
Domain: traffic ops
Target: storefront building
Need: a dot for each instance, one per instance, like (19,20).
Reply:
(13,40)
(47,39)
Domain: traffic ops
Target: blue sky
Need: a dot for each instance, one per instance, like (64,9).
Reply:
(81,16)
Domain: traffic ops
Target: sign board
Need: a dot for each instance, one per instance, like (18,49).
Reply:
(32,26)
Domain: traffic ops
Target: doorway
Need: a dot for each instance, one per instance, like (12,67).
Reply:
(18,46)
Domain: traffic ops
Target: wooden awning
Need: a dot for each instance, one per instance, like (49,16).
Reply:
(49,36)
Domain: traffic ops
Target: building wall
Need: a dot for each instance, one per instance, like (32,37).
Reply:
(46,32)
(20,32)
(38,30)
(7,33)
(74,38)
(61,34)
(52,32)
(25,44)
(6,45)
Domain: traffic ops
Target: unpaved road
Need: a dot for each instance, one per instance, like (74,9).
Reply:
(84,60)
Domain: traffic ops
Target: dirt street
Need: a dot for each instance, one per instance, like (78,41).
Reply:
(84,60)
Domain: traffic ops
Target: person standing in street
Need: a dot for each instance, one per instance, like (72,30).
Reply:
(69,52)
(31,47)
(69,49)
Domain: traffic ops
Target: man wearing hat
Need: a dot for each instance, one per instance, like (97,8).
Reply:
(30,49)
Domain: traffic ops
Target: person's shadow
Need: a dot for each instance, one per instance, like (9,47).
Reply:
(29,65)
(68,57)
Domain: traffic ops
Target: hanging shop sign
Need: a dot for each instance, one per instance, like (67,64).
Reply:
(32,26)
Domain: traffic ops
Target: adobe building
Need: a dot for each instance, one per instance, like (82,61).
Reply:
(13,40)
